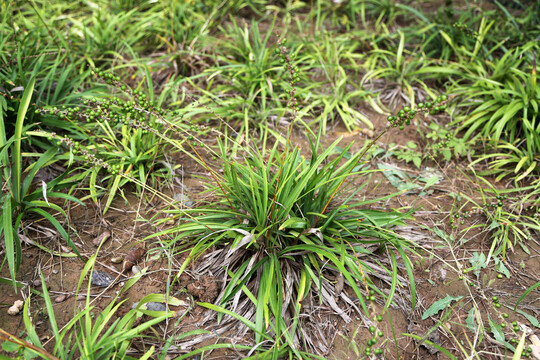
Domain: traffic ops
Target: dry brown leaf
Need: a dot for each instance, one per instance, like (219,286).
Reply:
(132,257)
(101,238)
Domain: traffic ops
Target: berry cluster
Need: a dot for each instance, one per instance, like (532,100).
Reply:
(498,204)
(456,218)
(465,29)
(76,147)
(294,76)
(139,100)
(515,325)
(373,330)
(112,110)
(443,144)
(406,115)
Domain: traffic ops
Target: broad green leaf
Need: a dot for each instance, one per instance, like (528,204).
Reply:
(438,347)
(499,267)
(534,321)
(498,334)
(440,305)
(471,321)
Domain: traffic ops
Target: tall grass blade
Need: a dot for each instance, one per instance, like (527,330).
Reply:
(16,155)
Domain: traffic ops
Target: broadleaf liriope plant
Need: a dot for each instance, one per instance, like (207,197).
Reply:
(21,198)
(278,235)
(274,229)
(123,135)
(92,334)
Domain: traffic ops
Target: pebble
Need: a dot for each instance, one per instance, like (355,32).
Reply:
(101,278)
(183,199)
(116,260)
(81,297)
(151,306)
(37,283)
(16,308)
(60,298)
(155,306)
(13,310)
(136,269)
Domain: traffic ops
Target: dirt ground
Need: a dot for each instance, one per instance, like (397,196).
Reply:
(436,270)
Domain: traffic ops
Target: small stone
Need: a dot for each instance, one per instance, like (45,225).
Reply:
(14,310)
(60,298)
(36,283)
(116,260)
(16,307)
(136,269)
(155,306)
(81,297)
(183,199)
(151,306)
(100,278)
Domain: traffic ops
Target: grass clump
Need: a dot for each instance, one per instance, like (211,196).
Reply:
(277,237)
(20,200)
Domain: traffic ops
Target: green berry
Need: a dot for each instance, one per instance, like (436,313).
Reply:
(378,351)
(379,318)
(370,342)
(495,299)
(372,329)
(505,315)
